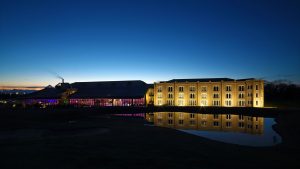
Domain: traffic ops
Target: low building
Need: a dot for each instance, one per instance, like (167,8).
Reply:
(210,92)
(105,93)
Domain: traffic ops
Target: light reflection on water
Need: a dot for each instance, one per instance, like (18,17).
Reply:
(228,128)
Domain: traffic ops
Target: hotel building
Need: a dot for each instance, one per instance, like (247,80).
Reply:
(210,92)
(177,92)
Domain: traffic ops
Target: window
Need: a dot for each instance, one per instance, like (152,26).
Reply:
(180,103)
(192,88)
(241,95)
(241,117)
(181,115)
(180,88)
(241,88)
(256,103)
(228,88)
(228,124)
(192,116)
(180,95)
(256,87)
(170,121)
(249,94)
(192,122)
(249,86)
(228,102)
(170,95)
(192,95)
(170,115)
(170,102)
(216,88)
(203,102)
(228,116)
(170,89)
(192,103)
(241,124)
(159,89)
(203,123)
(203,89)
(256,127)
(216,103)
(216,123)
(241,103)
(216,96)
(256,118)
(256,95)
(159,95)
(180,122)
(159,102)
(216,116)
(203,96)
(228,96)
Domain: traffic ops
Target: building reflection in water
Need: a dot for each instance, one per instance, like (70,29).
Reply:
(208,122)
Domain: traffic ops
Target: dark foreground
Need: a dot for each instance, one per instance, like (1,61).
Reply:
(88,140)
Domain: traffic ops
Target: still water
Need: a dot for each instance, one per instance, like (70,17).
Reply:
(228,128)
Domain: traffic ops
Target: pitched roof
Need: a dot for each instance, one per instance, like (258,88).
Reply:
(110,89)
(46,93)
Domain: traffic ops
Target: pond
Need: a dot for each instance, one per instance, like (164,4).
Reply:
(229,128)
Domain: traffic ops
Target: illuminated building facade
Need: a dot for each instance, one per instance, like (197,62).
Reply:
(208,122)
(106,93)
(210,92)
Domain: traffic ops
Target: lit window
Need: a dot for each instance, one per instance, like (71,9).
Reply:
(180,95)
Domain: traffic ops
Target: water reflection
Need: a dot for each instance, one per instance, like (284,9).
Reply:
(229,128)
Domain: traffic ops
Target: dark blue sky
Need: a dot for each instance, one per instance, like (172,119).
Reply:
(149,40)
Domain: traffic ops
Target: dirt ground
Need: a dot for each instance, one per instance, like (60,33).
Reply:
(94,141)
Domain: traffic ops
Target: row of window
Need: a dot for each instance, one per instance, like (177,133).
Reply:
(204,96)
(215,123)
(204,116)
(204,88)
(192,102)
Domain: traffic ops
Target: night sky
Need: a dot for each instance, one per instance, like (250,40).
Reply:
(148,40)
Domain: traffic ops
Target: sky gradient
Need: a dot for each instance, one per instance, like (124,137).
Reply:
(149,40)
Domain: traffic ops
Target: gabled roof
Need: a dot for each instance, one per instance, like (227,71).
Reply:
(46,93)
(110,89)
